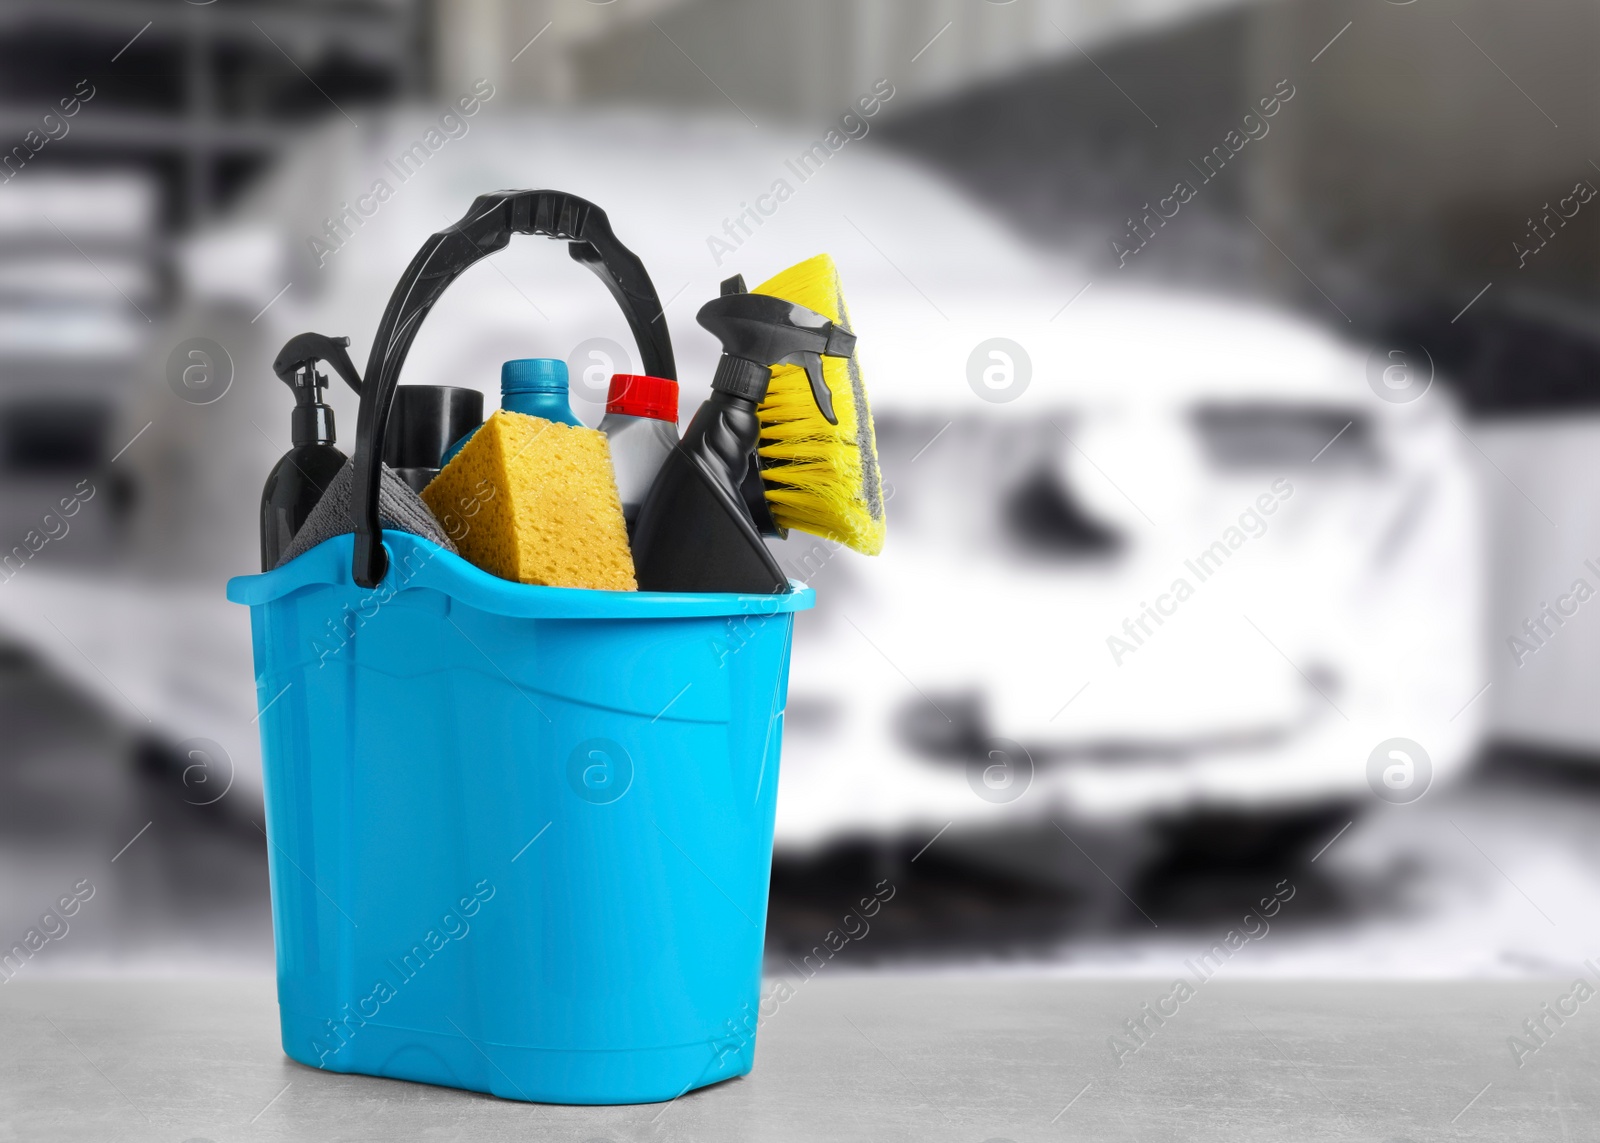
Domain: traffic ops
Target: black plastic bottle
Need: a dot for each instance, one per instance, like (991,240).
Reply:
(701,526)
(299,479)
(423,422)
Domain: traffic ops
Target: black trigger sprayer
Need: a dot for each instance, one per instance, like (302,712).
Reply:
(299,479)
(701,526)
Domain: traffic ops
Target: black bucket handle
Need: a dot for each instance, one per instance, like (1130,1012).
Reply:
(486,227)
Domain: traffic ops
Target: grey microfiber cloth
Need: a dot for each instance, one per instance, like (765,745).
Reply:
(398,508)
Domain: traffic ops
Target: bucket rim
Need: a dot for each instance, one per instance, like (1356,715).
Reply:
(415,562)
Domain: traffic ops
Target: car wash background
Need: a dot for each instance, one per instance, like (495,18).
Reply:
(1235,369)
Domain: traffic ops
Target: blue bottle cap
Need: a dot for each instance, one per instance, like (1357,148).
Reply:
(534,375)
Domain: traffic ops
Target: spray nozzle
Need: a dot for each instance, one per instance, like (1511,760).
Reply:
(758,332)
(296,366)
(296,363)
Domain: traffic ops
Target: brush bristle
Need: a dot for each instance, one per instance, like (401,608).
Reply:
(821,478)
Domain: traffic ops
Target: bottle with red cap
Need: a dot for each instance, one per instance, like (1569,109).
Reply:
(641,427)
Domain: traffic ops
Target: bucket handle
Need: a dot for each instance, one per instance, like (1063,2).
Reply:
(486,227)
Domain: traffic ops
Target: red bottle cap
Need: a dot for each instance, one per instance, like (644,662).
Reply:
(638,395)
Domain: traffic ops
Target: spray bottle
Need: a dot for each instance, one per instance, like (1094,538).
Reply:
(701,527)
(299,479)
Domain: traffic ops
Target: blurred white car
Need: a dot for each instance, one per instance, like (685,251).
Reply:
(1196,567)
(1020,650)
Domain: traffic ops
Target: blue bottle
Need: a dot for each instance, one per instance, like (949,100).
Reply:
(536,386)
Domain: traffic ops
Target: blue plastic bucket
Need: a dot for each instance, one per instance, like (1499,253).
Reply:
(520,836)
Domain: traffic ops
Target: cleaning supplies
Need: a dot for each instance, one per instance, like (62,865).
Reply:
(821,474)
(546,504)
(424,421)
(578,782)
(535,386)
(641,428)
(487,226)
(700,527)
(398,507)
(297,482)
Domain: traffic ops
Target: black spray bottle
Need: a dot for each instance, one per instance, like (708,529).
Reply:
(297,481)
(700,527)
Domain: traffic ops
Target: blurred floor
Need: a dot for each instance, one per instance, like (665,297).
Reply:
(1499,876)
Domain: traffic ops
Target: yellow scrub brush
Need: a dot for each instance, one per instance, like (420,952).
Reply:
(820,478)
(784,440)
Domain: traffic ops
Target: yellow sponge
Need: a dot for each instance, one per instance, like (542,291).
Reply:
(535,501)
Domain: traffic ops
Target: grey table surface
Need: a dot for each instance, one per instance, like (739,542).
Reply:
(973,1058)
